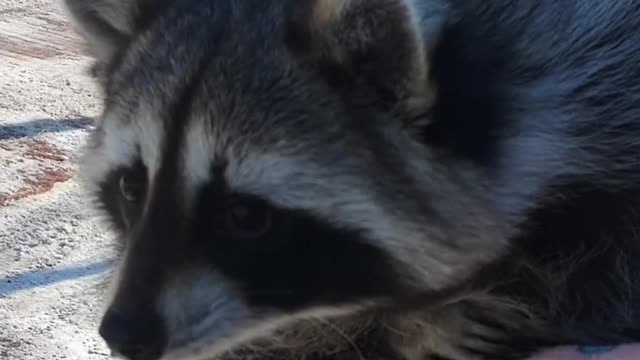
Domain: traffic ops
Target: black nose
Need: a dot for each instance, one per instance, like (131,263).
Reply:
(136,335)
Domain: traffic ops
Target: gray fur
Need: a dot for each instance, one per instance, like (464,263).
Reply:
(571,77)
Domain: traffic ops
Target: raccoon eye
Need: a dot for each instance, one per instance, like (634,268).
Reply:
(248,218)
(131,187)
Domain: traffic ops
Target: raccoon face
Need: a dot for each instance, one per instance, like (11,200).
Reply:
(259,163)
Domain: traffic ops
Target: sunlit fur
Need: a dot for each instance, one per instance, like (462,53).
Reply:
(449,180)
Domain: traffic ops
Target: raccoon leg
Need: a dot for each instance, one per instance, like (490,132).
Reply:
(354,337)
(480,328)
(476,328)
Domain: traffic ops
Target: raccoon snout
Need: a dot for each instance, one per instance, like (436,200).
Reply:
(133,334)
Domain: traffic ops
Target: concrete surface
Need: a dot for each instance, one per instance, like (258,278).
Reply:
(53,252)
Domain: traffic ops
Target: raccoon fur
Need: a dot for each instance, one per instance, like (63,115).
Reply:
(366,179)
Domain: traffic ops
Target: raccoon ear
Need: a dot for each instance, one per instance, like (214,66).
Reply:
(106,25)
(379,42)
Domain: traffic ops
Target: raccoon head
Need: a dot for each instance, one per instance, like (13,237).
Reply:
(261,161)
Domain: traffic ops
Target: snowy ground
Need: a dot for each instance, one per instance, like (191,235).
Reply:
(53,251)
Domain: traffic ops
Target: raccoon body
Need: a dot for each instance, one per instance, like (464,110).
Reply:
(377,179)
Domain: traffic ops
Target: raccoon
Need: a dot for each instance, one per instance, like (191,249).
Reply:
(366,179)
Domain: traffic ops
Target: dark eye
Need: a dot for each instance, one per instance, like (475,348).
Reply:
(132,187)
(248,218)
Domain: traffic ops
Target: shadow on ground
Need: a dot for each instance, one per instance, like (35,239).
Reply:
(34,279)
(13,131)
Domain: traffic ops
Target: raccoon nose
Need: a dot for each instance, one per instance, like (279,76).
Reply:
(133,334)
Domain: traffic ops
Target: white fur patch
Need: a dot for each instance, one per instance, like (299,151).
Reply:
(113,145)
(202,145)
(119,137)
(149,128)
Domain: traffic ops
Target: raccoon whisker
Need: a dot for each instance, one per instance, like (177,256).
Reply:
(393,329)
(343,335)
